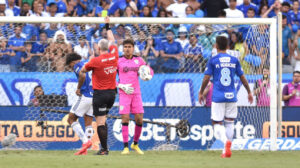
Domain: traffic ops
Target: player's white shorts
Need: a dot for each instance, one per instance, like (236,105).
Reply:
(220,111)
(83,106)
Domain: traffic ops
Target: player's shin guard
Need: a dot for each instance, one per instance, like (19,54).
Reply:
(220,133)
(89,132)
(102,134)
(125,134)
(79,132)
(137,133)
(229,126)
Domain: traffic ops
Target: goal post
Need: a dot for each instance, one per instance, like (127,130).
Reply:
(273,49)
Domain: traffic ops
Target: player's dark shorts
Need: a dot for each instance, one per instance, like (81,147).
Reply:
(103,100)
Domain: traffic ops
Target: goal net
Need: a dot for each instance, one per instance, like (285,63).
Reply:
(176,49)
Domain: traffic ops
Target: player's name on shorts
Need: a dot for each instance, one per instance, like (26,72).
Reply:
(226,65)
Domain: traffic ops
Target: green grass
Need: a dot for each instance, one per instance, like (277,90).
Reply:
(151,159)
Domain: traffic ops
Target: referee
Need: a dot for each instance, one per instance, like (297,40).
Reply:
(104,70)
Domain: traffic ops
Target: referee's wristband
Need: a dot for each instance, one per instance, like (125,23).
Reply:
(107,27)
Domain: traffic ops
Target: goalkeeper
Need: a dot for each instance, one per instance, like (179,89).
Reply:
(130,93)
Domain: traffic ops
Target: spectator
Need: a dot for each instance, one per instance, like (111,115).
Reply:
(251,13)
(51,30)
(29,2)
(246,5)
(87,30)
(171,53)
(153,9)
(189,11)
(120,34)
(291,91)
(28,59)
(203,38)
(194,4)
(237,44)
(262,89)
(232,12)
(71,33)
(16,43)
(213,7)
(129,12)
(286,46)
(38,48)
(263,8)
(118,13)
(34,5)
(162,13)
(285,8)
(11,5)
(56,52)
(194,61)
(7,11)
(259,33)
(82,7)
(133,6)
(5,54)
(102,8)
(274,9)
(37,91)
(156,33)
(61,5)
(38,10)
(146,12)
(151,53)
(25,10)
(83,48)
(163,4)
(53,11)
(295,14)
(91,5)
(182,37)
(141,41)
(71,8)
(177,9)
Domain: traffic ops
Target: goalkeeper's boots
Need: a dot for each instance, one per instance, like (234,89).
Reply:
(125,151)
(136,148)
(227,153)
(84,148)
(102,152)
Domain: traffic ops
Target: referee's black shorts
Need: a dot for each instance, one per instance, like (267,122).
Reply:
(103,100)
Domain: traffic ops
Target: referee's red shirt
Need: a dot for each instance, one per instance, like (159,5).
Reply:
(104,69)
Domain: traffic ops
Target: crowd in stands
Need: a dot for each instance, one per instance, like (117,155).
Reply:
(166,47)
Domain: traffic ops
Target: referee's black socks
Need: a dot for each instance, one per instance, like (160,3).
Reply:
(102,134)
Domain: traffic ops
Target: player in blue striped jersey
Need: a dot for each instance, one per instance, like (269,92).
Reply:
(223,68)
(83,107)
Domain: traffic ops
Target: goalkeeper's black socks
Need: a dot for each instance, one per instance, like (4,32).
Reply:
(102,134)
(125,144)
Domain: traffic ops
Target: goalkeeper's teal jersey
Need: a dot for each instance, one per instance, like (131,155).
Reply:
(223,68)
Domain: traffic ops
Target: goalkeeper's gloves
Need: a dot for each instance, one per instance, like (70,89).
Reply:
(127,88)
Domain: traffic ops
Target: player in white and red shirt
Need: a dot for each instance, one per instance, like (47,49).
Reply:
(104,70)
(130,94)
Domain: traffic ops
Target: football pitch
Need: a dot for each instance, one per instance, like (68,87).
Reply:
(151,159)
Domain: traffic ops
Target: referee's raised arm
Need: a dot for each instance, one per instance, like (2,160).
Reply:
(110,35)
